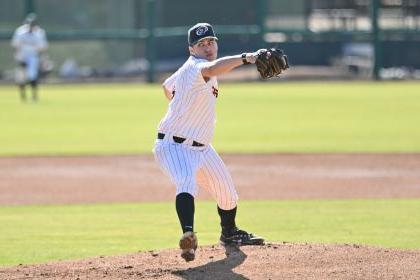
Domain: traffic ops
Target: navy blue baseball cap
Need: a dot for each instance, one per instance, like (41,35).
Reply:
(30,18)
(199,32)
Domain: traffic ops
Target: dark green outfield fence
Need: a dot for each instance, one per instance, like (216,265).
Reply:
(107,33)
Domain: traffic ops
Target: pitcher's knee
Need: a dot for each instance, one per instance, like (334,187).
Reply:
(185,184)
(184,187)
(228,203)
(185,190)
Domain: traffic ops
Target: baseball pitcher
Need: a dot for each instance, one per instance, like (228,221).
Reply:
(183,147)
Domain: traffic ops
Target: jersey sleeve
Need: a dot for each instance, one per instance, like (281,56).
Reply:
(195,71)
(169,83)
(15,39)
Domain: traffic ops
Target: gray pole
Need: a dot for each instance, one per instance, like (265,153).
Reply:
(376,40)
(307,12)
(261,13)
(150,41)
(29,6)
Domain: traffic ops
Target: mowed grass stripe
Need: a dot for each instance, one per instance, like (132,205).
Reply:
(254,117)
(35,234)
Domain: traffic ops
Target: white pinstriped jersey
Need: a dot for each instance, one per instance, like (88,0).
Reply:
(191,113)
(28,43)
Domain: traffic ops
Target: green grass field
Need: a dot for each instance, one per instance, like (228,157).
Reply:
(255,117)
(33,234)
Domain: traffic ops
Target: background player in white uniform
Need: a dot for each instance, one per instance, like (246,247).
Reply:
(183,148)
(29,42)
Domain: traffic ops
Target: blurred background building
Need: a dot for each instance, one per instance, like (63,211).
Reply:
(146,39)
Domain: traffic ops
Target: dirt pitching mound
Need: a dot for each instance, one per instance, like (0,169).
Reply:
(271,261)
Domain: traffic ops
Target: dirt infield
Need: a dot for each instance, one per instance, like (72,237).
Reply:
(272,261)
(73,180)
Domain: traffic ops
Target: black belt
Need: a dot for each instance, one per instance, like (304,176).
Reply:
(179,140)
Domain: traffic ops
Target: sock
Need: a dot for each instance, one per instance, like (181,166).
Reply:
(227,218)
(185,209)
(34,85)
(22,92)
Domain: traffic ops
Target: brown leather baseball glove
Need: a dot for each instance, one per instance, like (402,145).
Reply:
(271,63)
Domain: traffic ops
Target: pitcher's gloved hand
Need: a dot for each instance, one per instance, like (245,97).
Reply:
(271,62)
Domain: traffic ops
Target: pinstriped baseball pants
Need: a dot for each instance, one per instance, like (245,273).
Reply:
(191,167)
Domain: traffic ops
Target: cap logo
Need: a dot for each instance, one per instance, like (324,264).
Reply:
(201,30)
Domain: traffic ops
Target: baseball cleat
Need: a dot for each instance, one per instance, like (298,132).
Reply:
(240,238)
(188,244)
